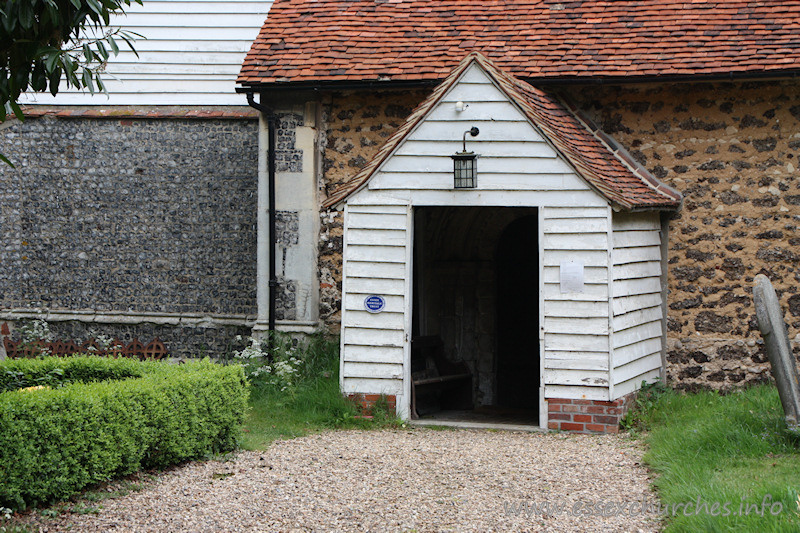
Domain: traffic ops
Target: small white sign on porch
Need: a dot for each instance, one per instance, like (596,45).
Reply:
(571,276)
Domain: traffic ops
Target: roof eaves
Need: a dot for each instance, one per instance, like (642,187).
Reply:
(249,85)
(625,157)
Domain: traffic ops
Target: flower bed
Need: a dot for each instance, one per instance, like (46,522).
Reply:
(101,418)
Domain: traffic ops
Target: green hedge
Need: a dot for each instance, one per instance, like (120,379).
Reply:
(54,442)
(72,369)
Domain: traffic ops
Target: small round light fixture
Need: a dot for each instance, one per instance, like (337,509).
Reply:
(461,106)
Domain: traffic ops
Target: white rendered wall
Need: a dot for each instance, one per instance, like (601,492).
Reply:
(295,192)
(191,55)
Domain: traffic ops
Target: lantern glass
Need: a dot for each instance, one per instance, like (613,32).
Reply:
(464,170)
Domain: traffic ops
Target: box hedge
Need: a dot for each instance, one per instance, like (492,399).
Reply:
(116,416)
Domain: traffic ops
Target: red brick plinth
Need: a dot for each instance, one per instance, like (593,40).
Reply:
(367,402)
(587,416)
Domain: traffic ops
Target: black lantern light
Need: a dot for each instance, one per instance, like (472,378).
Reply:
(464,164)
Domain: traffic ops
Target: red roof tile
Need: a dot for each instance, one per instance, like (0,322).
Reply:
(311,41)
(595,156)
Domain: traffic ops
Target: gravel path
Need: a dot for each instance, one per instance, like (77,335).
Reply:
(393,480)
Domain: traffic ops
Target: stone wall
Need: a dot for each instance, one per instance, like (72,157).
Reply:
(354,126)
(731,149)
(181,341)
(142,216)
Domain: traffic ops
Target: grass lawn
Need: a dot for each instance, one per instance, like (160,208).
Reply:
(313,404)
(732,450)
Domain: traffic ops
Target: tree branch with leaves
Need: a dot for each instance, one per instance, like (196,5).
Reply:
(43,42)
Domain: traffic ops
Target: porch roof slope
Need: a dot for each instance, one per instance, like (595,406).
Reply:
(605,165)
(317,42)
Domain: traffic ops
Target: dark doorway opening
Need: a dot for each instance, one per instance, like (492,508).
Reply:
(476,299)
(518,315)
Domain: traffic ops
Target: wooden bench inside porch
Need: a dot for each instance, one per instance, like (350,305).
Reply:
(436,382)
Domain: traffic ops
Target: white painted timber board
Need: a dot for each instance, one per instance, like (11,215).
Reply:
(591,275)
(374,221)
(590,258)
(626,354)
(376,238)
(374,354)
(627,387)
(488,180)
(575,225)
(365,319)
(591,293)
(647,269)
(382,287)
(475,74)
(575,241)
(487,163)
(534,149)
(576,325)
(435,130)
(624,256)
(575,343)
(372,386)
(631,239)
(636,221)
(168,45)
(641,332)
(192,18)
(636,368)
(479,111)
(576,392)
(626,304)
(181,34)
(582,377)
(138,95)
(183,39)
(355,302)
(569,213)
(639,316)
(568,309)
(373,337)
(365,197)
(373,370)
(477,197)
(474,94)
(576,360)
(377,209)
(364,269)
(377,253)
(180,7)
(632,287)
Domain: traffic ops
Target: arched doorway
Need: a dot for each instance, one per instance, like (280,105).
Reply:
(517,260)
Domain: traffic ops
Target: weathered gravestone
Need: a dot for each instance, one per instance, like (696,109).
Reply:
(779,351)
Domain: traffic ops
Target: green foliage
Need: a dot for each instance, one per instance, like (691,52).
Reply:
(33,335)
(53,442)
(42,41)
(315,403)
(56,371)
(649,397)
(723,448)
(274,363)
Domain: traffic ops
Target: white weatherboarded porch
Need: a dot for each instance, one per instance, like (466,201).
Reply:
(436,257)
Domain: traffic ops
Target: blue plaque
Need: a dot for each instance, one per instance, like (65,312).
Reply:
(374,303)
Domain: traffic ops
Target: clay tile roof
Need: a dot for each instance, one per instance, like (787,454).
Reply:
(602,162)
(341,41)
